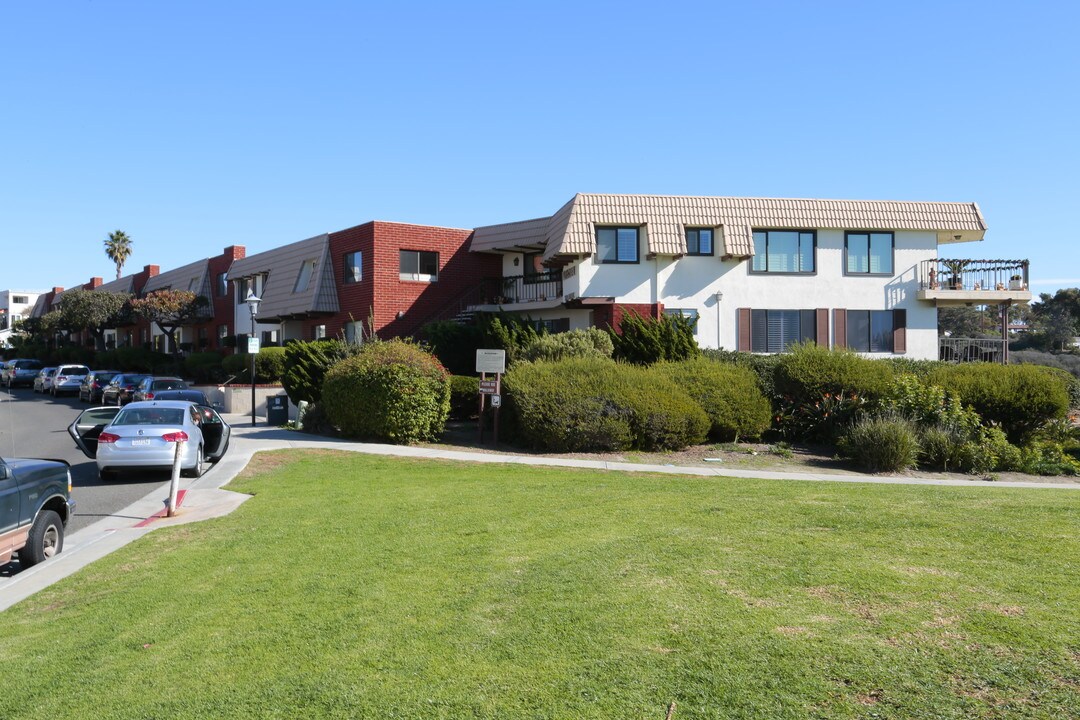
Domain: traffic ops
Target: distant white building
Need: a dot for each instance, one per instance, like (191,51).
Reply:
(15,306)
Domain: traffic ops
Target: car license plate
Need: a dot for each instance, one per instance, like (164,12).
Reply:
(141,441)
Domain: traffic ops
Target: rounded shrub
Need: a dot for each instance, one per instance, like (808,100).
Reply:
(269,364)
(204,366)
(729,395)
(591,342)
(809,371)
(392,391)
(595,404)
(1019,398)
(881,444)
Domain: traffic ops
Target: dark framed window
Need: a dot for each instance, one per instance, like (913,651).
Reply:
(353,267)
(303,278)
(870,330)
(774,331)
(558,325)
(222,284)
(419,265)
(690,313)
(617,245)
(699,241)
(868,253)
(784,251)
(532,268)
(222,333)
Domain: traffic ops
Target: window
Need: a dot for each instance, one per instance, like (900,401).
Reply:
(869,253)
(193,285)
(774,331)
(689,313)
(222,333)
(222,284)
(699,241)
(20,299)
(870,330)
(617,244)
(204,337)
(783,251)
(303,280)
(353,267)
(254,284)
(269,338)
(558,325)
(533,268)
(354,331)
(419,265)
(318,332)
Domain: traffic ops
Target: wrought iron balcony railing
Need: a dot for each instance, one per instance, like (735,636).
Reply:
(953,349)
(956,274)
(521,288)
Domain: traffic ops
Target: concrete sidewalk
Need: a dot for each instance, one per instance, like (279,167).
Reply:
(205,499)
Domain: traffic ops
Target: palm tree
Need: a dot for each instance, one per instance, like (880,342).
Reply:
(118,248)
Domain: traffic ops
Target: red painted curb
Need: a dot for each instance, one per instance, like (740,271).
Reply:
(163,511)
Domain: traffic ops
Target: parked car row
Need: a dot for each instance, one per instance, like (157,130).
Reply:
(109,387)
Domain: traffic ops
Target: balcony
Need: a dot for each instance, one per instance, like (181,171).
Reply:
(972,350)
(973,282)
(540,288)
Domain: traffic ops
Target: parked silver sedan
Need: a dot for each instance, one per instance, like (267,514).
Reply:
(142,435)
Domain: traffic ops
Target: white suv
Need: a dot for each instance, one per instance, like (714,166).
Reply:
(68,378)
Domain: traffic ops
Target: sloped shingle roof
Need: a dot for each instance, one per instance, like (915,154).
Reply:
(572,230)
(282,268)
(193,276)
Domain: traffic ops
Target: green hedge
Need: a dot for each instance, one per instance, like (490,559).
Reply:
(591,342)
(305,365)
(464,397)
(269,364)
(1019,398)
(729,394)
(204,366)
(646,340)
(594,404)
(764,366)
(881,444)
(392,391)
(808,372)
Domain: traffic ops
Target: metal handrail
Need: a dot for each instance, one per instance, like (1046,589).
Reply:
(953,349)
(522,288)
(964,274)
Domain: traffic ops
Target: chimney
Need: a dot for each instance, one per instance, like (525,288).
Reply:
(95,282)
(57,290)
(151,270)
(236,252)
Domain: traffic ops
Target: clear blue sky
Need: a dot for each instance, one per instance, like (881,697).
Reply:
(197,125)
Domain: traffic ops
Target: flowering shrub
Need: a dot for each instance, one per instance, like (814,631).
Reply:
(823,419)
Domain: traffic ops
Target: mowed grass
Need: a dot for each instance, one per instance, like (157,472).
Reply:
(368,587)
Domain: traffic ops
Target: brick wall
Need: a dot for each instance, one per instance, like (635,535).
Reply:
(223,305)
(606,316)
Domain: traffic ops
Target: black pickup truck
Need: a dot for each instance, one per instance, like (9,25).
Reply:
(35,505)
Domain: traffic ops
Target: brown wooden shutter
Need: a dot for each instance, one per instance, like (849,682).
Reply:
(839,326)
(823,327)
(744,329)
(899,333)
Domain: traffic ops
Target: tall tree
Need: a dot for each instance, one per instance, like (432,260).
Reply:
(171,310)
(94,312)
(118,248)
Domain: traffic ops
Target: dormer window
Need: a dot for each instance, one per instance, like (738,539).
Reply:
(617,244)
(303,280)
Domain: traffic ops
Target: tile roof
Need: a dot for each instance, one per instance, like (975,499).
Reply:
(572,230)
(282,269)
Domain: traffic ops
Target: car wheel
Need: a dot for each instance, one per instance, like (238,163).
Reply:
(107,475)
(45,540)
(200,464)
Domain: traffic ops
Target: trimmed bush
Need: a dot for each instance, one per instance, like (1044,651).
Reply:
(305,365)
(646,340)
(454,344)
(204,366)
(464,396)
(269,364)
(881,444)
(910,366)
(1019,398)
(729,395)
(764,366)
(808,372)
(392,391)
(594,404)
(592,342)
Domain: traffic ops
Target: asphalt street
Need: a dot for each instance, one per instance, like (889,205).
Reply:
(35,425)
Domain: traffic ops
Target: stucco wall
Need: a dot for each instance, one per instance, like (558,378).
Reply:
(693,282)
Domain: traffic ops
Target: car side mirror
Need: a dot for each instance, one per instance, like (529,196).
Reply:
(5,473)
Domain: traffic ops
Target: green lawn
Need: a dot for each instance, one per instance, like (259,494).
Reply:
(356,586)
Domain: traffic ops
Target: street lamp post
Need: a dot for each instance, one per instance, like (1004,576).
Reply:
(253,305)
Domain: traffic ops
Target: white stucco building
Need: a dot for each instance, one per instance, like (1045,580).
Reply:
(15,305)
(756,274)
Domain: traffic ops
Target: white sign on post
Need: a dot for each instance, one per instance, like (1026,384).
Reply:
(253,346)
(490,361)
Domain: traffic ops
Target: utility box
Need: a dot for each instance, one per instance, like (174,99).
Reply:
(277,410)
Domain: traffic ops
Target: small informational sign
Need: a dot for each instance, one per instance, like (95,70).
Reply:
(490,361)
(253,346)
(496,401)
(489,387)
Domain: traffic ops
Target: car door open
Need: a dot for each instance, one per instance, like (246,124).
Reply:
(86,428)
(215,432)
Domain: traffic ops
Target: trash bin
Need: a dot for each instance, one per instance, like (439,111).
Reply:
(277,410)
